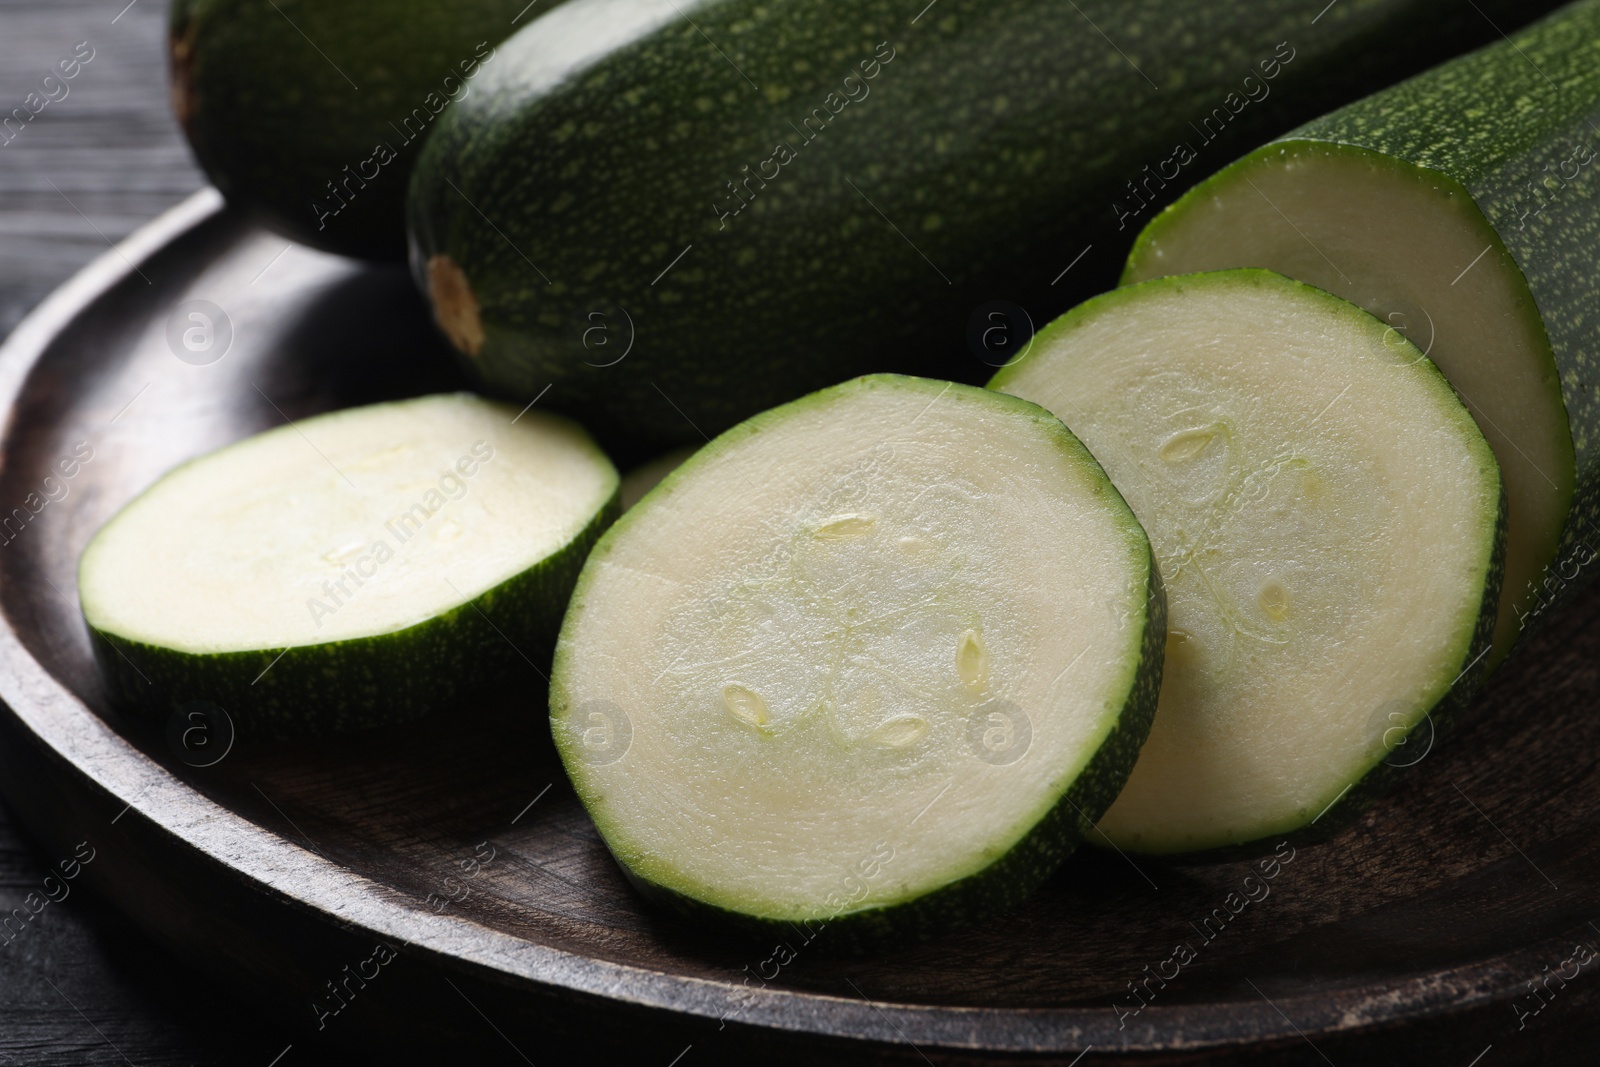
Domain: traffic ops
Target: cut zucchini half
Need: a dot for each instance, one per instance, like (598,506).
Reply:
(353,569)
(871,661)
(1408,245)
(1459,205)
(1328,521)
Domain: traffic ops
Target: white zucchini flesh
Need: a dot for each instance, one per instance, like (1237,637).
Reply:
(357,523)
(1325,514)
(891,619)
(1411,248)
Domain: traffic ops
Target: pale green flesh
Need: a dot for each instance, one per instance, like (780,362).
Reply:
(848,629)
(1409,246)
(1323,513)
(353,524)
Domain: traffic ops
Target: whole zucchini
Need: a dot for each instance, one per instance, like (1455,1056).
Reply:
(676,213)
(309,113)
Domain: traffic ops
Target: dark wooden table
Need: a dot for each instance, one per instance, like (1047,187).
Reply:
(79,985)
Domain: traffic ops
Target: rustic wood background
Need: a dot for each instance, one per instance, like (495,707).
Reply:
(78,985)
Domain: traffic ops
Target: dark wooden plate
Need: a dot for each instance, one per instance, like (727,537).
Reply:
(286,867)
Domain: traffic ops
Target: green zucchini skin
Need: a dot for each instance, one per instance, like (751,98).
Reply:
(993,142)
(1492,128)
(261,90)
(343,686)
(1006,882)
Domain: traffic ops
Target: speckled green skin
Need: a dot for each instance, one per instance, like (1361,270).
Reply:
(364,682)
(1387,767)
(272,121)
(1012,877)
(1488,125)
(999,141)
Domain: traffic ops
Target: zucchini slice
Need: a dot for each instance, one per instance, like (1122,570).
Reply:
(871,661)
(353,569)
(1328,522)
(1460,207)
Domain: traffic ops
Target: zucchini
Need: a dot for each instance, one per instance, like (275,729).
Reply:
(1461,207)
(310,113)
(836,669)
(1328,521)
(839,190)
(354,569)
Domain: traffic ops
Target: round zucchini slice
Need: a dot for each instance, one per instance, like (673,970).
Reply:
(353,569)
(871,662)
(1330,527)
(1401,236)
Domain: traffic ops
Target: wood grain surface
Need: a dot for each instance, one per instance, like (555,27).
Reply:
(95,164)
(80,984)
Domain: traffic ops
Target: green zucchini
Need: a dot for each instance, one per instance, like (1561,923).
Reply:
(1328,522)
(350,570)
(310,113)
(831,190)
(1461,207)
(836,671)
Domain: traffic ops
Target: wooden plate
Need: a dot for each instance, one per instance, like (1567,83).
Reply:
(442,879)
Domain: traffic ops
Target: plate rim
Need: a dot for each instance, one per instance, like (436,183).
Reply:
(62,724)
